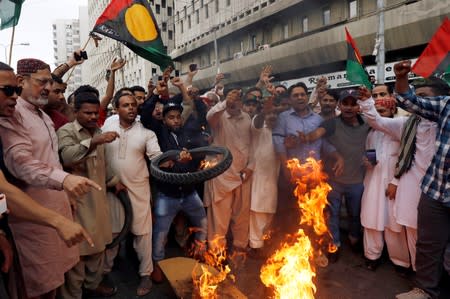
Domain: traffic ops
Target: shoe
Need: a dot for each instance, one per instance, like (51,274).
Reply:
(415,293)
(372,265)
(145,286)
(402,271)
(237,258)
(157,275)
(356,245)
(333,257)
(102,290)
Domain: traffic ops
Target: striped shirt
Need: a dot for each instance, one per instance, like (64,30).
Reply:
(436,182)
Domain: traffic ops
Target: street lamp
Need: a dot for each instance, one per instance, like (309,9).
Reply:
(5,47)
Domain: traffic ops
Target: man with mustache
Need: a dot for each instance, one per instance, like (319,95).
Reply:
(31,154)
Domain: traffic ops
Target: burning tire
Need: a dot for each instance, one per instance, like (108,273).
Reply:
(128,211)
(192,177)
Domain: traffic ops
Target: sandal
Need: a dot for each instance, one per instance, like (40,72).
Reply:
(145,286)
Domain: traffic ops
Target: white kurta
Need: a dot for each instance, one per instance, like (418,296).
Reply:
(127,157)
(265,175)
(408,186)
(376,208)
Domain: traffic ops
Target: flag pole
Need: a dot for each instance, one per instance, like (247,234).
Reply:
(11,44)
(380,38)
(82,49)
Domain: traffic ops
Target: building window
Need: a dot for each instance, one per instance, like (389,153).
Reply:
(353,9)
(193,7)
(242,46)
(305,24)
(170,34)
(189,22)
(181,26)
(201,3)
(197,17)
(217,6)
(169,11)
(253,42)
(206,11)
(326,16)
(157,8)
(163,3)
(228,2)
(164,26)
(286,31)
(185,11)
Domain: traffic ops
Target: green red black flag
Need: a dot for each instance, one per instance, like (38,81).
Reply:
(356,72)
(435,59)
(132,23)
(9,13)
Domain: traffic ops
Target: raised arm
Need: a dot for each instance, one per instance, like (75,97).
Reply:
(428,108)
(116,65)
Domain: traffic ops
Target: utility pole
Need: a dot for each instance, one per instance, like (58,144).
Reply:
(380,43)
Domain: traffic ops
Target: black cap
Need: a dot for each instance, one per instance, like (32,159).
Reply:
(349,93)
(171,106)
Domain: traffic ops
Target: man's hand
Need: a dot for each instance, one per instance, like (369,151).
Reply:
(364,93)
(191,74)
(290,141)
(106,137)
(271,88)
(219,77)
(322,81)
(264,76)
(338,167)
(71,232)
(184,156)
(120,187)
(76,186)
(7,252)
(367,164)
(162,89)
(166,73)
(246,173)
(117,64)
(72,61)
(391,191)
(402,69)
(177,82)
(150,86)
(268,106)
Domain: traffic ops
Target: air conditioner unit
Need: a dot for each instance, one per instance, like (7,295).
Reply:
(237,55)
(263,47)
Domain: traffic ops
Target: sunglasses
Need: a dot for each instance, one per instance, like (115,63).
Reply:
(9,90)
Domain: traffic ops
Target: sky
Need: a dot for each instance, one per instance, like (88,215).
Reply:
(35,28)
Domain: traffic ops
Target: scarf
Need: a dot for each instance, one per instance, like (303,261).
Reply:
(407,146)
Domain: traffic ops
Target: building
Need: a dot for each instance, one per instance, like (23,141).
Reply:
(301,39)
(67,37)
(137,71)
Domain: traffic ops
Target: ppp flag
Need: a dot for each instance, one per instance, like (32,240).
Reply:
(356,73)
(132,23)
(435,59)
(10,13)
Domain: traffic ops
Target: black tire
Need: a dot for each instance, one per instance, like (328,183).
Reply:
(126,203)
(190,178)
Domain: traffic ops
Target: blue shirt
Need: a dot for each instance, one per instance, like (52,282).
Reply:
(290,123)
(436,182)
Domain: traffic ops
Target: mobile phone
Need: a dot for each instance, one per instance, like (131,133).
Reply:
(78,57)
(177,73)
(3,206)
(192,67)
(371,156)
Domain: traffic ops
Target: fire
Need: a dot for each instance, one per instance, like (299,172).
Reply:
(289,271)
(208,163)
(207,282)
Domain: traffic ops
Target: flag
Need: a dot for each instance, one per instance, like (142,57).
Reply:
(356,72)
(9,13)
(132,23)
(435,59)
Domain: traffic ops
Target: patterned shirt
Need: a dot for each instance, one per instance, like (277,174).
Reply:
(436,182)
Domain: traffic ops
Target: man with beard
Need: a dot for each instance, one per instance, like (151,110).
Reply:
(57,103)
(127,157)
(172,198)
(328,103)
(31,154)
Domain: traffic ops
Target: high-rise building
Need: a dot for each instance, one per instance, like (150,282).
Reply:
(137,71)
(299,38)
(68,34)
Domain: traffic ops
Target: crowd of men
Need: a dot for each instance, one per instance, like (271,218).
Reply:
(64,164)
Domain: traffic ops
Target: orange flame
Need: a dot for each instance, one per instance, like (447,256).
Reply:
(205,164)
(207,282)
(289,271)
